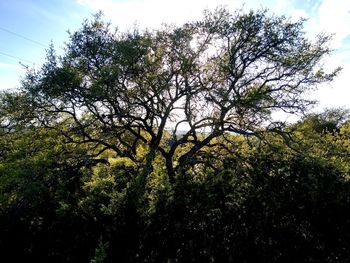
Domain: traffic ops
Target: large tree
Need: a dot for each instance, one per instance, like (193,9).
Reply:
(225,74)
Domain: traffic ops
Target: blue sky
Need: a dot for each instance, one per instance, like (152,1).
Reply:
(40,21)
(48,20)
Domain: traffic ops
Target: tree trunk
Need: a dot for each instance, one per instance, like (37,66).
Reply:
(170,169)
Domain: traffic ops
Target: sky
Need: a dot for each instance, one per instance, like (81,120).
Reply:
(27,27)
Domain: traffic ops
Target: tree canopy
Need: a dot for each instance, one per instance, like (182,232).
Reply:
(226,73)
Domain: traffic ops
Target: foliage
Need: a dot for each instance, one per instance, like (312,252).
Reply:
(279,211)
(94,167)
(224,73)
(100,252)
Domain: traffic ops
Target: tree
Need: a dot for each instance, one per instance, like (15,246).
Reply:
(40,186)
(224,74)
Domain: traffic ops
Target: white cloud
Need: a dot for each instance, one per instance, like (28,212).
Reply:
(9,83)
(334,17)
(329,16)
(152,13)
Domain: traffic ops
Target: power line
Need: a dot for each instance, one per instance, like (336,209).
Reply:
(15,57)
(21,36)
